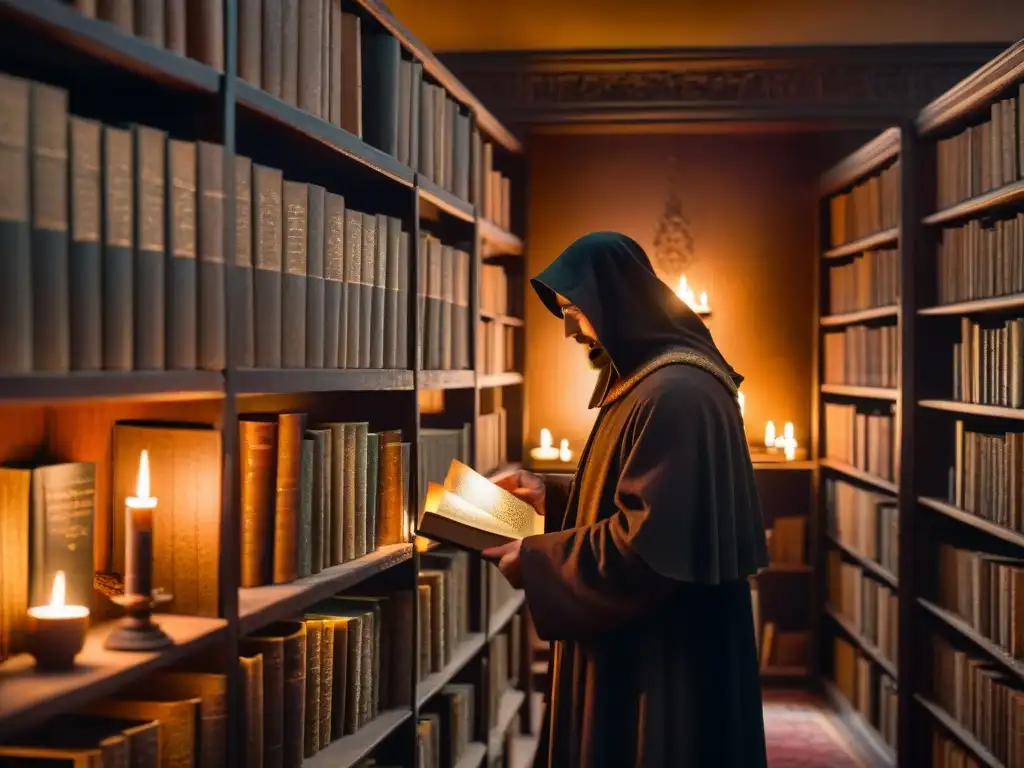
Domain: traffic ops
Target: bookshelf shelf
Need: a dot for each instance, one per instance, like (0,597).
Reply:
(864,733)
(869,393)
(267,381)
(858,474)
(867,563)
(869,648)
(871,242)
(498,241)
(973,409)
(134,385)
(62,24)
(510,704)
(298,120)
(259,606)
(516,322)
(349,750)
(29,698)
(980,523)
(473,755)
(980,205)
(962,734)
(978,306)
(860,316)
(443,199)
(429,686)
(446,379)
(506,379)
(500,618)
(965,630)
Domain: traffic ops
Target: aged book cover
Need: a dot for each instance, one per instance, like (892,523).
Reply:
(471,512)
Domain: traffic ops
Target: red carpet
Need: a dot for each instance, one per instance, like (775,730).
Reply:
(801,734)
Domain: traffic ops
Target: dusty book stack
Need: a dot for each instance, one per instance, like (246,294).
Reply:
(238,334)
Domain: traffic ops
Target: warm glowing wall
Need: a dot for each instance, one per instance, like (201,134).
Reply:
(750,201)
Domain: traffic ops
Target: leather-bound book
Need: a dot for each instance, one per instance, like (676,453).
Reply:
(293,276)
(447,299)
(315,276)
(211,354)
(267,260)
(181,273)
(258,466)
(402,358)
(306,507)
(118,258)
(251,745)
(283,645)
(179,724)
(393,262)
(290,429)
(85,268)
(272,54)
(349,354)
(367,271)
(150,208)
(334,276)
(242,300)
(377,290)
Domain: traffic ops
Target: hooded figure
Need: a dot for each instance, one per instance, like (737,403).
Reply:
(641,578)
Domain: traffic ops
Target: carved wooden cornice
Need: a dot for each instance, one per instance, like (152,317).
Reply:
(819,84)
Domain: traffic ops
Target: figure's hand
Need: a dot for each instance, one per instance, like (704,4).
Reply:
(507,559)
(526,486)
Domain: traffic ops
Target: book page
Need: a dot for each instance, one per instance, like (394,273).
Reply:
(446,504)
(497,503)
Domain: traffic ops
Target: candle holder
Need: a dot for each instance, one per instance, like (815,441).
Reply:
(56,639)
(137,631)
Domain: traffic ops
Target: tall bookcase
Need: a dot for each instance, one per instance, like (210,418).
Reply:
(113,75)
(945,478)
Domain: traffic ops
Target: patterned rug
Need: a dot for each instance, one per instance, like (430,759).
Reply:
(801,734)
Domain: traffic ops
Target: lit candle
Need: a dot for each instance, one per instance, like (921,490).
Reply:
(57,631)
(138,558)
(564,454)
(769,435)
(546,451)
(685,292)
(787,431)
(790,450)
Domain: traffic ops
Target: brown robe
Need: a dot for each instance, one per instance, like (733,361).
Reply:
(641,582)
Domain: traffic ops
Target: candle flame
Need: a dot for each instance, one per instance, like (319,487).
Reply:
(142,486)
(545,438)
(564,454)
(769,434)
(59,593)
(787,431)
(686,294)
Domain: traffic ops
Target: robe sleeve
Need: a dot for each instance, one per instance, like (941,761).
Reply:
(595,578)
(556,499)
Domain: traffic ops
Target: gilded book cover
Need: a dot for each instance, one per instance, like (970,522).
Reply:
(471,512)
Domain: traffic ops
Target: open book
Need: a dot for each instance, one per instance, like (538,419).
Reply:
(471,512)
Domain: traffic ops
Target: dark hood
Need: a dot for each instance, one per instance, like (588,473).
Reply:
(636,316)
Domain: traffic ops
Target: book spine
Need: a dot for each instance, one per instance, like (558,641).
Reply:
(51,337)
(212,292)
(86,268)
(15,232)
(315,319)
(267,256)
(353,295)
(334,274)
(378,300)
(181,275)
(118,249)
(293,278)
(242,301)
(272,57)
(150,246)
(290,51)
(393,257)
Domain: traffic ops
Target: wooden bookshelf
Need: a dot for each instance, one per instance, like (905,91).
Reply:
(118,78)
(949,319)
(856,436)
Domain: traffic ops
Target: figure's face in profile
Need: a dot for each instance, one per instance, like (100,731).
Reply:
(579,329)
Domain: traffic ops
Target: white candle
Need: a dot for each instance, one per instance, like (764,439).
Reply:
(787,431)
(138,521)
(546,451)
(769,434)
(564,454)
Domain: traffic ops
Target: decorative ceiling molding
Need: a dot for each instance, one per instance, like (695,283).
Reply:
(827,85)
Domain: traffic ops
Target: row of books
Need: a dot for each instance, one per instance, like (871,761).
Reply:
(492,435)
(861,355)
(987,702)
(499,291)
(443,617)
(317,496)
(787,540)
(871,607)
(987,476)
(503,668)
(871,279)
(864,522)
(126,269)
(869,689)
(988,363)
(872,205)
(981,588)
(194,29)
(948,753)
(443,302)
(863,439)
(325,676)
(170,718)
(980,260)
(495,347)
(446,726)
(984,156)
